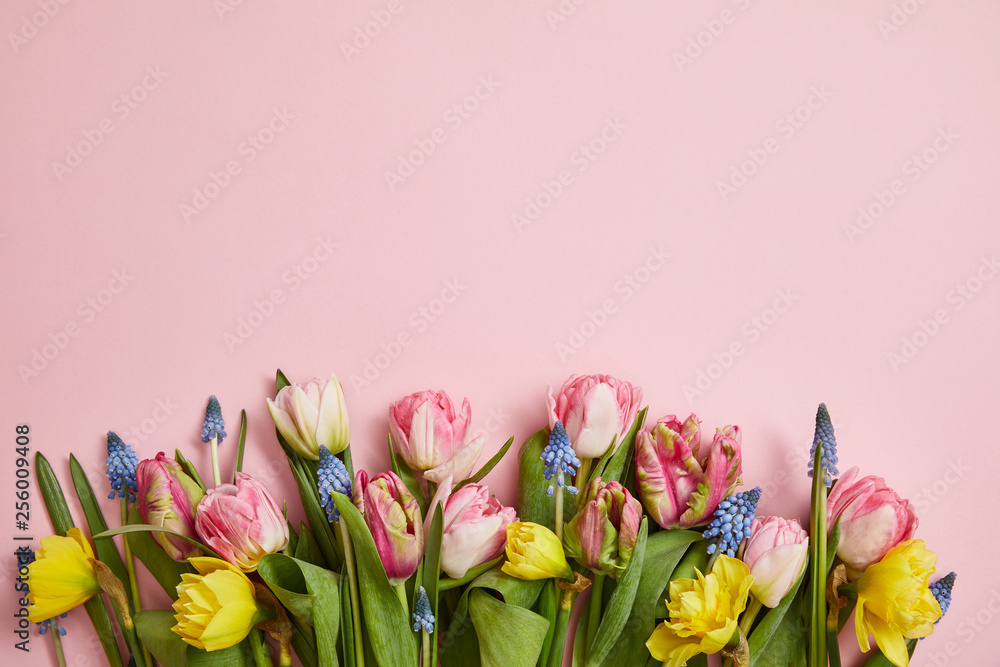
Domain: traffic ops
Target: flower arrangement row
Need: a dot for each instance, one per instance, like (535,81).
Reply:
(422,565)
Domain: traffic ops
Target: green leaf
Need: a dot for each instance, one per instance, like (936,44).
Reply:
(283,576)
(787,645)
(509,636)
(166,646)
(315,514)
(461,647)
(52,495)
(431,566)
(832,543)
(189,468)
(345,613)
(62,521)
(307,549)
(243,440)
(447,583)
(164,569)
(768,630)
(280,381)
(146,528)
(485,470)
(105,550)
(312,594)
(618,463)
(533,503)
(664,551)
(619,608)
(392,640)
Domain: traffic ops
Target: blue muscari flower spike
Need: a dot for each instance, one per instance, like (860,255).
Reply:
(121,468)
(423,618)
(942,592)
(825,440)
(559,458)
(45,625)
(732,522)
(215,425)
(332,477)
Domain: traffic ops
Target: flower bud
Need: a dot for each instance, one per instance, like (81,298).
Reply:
(475,527)
(429,435)
(595,409)
(393,517)
(534,552)
(873,519)
(168,498)
(604,531)
(776,555)
(311,414)
(241,522)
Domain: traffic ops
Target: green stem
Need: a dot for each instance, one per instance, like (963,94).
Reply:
(352,582)
(132,582)
(547,604)
(559,637)
(583,472)
(214,443)
(833,645)
(559,505)
(401,594)
(257,649)
(594,617)
(426,649)
(136,601)
(817,542)
(57,641)
(750,615)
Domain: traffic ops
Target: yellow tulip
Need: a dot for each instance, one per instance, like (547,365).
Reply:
(894,601)
(704,613)
(62,576)
(534,552)
(216,608)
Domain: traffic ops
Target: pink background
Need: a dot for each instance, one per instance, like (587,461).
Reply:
(774,295)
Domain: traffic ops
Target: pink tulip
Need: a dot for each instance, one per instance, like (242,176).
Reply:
(393,517)
(475,527)
(595,409)
(681,485)
(873,519)
(430,436)
(776,555)
(168,498)
(242,522)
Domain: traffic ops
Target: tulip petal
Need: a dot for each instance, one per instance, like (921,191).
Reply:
(460,465)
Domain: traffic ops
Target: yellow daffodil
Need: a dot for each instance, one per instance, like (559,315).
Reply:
(894,601)
(216,608)
(534,552)
(62,576)
(703,613)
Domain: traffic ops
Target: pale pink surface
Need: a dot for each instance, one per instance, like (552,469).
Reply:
(637,268)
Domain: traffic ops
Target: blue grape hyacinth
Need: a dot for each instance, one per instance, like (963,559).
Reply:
(732,522)
(214,425)
(560,458)
(332,476)
(423,618)
(122,461)
(941,589)
(827,442)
